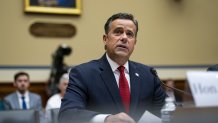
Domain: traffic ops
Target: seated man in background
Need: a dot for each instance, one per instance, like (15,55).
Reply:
(22,98)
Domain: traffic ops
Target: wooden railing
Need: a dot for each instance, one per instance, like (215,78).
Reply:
(40,88)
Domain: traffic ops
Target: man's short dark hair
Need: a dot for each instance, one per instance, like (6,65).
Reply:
(20,74)
(126,16)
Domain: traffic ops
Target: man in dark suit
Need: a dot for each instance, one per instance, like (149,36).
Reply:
(112,88)
(22,98)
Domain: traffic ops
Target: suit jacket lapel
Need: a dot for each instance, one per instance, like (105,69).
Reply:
(135,86)
(31,100)
(110,82)
(16,101)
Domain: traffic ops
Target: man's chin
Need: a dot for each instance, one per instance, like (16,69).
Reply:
(22,90)
(122,54)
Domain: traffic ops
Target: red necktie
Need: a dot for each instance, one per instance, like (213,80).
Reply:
(124,89)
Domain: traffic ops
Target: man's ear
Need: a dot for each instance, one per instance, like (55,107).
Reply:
(105,41)
(104,37)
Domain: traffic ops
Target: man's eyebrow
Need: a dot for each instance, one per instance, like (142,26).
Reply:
(119,27)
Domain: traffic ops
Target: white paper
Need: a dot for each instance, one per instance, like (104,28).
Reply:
(148,117)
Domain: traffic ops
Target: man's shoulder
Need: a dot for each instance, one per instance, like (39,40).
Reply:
(139,65)
(144,69)
(34,95)
(10,96)
(91,63)
(87,65)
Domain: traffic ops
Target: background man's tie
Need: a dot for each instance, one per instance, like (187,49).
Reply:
(23,103)
(124,89)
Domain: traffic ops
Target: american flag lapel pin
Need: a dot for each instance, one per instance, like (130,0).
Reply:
(137,74)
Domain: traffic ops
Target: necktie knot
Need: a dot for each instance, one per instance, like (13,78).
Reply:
(121,69)
(23,97)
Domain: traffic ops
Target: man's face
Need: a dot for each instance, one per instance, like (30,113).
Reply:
(63,85)
(121,39)
(22,83)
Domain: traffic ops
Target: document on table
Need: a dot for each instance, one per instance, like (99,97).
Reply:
(148,117)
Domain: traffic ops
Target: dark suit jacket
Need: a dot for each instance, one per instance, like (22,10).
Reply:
(92,89)
(11,102)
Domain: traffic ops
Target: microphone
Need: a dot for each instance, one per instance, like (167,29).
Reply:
(154,72)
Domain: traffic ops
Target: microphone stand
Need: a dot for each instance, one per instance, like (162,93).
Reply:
(154,72)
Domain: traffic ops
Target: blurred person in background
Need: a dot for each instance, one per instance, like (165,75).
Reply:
(170,91)
(22,98)
(55,100)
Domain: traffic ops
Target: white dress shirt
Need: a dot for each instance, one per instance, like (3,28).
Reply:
(101,117)
(116,72)
(54,102)
(27,99)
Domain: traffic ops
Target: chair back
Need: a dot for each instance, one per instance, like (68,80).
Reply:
(54,115)
(19,116)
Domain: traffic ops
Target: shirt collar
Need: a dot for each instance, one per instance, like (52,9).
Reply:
(114,65)
(20,95)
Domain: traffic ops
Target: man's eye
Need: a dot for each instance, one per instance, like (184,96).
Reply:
(130,34)
(118,31)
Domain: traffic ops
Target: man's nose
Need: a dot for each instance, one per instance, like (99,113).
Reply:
(22,82)
(124,37)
